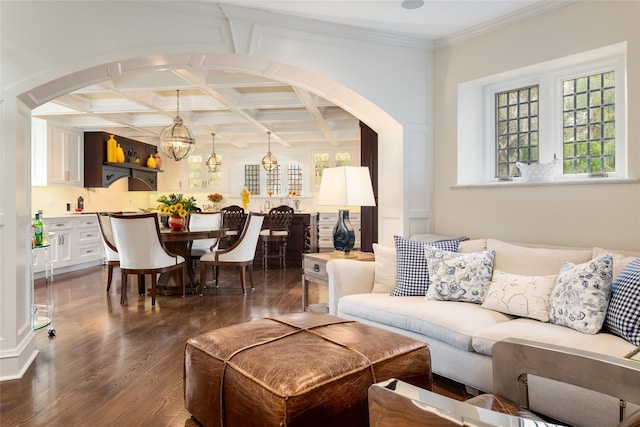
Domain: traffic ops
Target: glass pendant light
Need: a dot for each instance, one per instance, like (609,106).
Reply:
(214,162)
(269,161)
(176,140)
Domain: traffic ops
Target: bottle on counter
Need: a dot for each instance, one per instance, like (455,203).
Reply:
(80,203)
(37,230)
(45,228)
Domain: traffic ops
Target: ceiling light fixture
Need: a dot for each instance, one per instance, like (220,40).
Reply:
(412,4)
(214,162)
(269,162)
(176,140)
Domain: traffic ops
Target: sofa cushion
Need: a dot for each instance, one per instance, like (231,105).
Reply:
(413,276)
(581,295)
(623,314)
(454,323)
(458,277)
(524,296)
(620,261)
(548,333)
(385,276)
(534,261)
(473,245)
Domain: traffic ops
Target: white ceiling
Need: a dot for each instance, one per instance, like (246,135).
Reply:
(241,108)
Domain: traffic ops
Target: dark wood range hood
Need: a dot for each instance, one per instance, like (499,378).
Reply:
(99,173)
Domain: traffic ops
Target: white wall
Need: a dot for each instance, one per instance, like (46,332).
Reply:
(606,215)
(50,48)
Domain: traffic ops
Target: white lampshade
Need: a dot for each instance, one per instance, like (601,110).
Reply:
(346,186)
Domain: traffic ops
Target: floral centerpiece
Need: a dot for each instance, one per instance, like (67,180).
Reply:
(215,197)
(177,207)
(176,204)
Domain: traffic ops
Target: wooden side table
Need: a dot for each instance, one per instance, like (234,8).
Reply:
(314,269)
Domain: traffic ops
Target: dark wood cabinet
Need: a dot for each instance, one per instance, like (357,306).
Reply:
(298,243)
(99,173)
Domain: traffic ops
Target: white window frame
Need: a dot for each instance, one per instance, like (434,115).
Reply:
(476,113)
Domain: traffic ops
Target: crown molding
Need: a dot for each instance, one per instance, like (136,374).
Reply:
(503,21)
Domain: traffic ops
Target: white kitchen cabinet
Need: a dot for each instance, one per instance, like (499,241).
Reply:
(170,179)
(190,174)
(61,254)
(57,155)
(330,159)
(199,177)
(87,240)
(76,242)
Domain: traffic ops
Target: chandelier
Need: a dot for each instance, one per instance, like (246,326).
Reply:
(214,162)
(269,162)
(176,140)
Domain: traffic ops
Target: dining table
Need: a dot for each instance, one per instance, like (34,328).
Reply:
(177,242)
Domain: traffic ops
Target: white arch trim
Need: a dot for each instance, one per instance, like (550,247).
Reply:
(390,131)
(340,95)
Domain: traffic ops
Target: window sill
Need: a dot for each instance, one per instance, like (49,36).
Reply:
(584,181)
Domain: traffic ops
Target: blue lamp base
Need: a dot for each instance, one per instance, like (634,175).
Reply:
(344,238)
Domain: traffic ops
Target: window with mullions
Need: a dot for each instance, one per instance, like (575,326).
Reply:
(589,124)
(273,181)
(516,129)
(294,179)
(252,178)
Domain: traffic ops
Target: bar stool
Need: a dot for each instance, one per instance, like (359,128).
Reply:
(276,235)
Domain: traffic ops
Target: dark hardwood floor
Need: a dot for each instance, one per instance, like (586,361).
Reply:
(113,365)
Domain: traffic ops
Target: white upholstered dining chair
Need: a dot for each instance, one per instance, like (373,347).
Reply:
(240,254)
(204,221)
(110,251)
(141,250)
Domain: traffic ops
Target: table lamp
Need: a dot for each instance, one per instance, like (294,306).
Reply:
(345,186)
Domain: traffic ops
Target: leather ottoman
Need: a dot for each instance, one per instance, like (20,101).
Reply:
(302,369)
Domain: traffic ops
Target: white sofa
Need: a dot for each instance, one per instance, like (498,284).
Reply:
(461,334)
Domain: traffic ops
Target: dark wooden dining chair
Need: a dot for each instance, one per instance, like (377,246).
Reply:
(141,250)
(240,254)
(233,219)
(274,237)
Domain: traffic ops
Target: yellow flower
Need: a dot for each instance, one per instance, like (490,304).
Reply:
(173,208)
(182,213)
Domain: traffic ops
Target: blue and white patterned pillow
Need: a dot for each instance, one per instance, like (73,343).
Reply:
(623,314)
(413,276)
(459,277)
(581,295)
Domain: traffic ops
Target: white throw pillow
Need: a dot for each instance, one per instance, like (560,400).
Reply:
(384,279)
(458,277)
(524,296)
(580,297)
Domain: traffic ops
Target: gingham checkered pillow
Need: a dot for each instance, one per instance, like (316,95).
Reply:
(623,314)
(413,274)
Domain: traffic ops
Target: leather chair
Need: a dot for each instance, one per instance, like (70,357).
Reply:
(203,221)
(233,218)
(276,235)
(141,250)
(240,254)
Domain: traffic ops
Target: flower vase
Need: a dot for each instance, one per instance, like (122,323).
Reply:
(176,222)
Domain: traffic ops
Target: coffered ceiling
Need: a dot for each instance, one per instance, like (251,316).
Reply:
(241,108)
